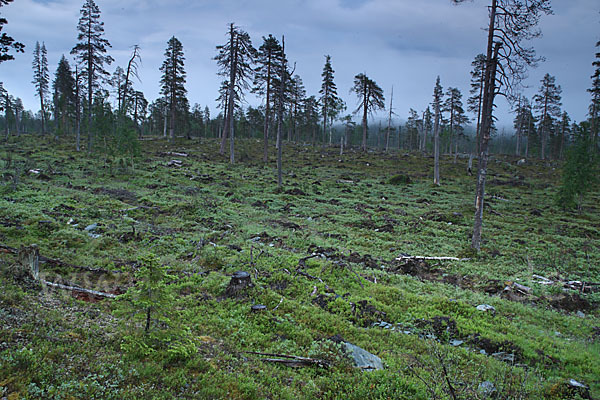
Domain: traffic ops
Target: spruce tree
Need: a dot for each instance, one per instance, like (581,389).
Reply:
(547,103)
(172,81)
(328,93)
(580,171)
(370,97)
(91,55)
(268,56)
(64,95)
(41,78)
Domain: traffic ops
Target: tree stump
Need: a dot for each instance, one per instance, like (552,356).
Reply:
(239,282)
(29,261)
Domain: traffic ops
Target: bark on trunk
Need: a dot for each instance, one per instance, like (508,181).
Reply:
(436,147)
(280,116)
(488,104)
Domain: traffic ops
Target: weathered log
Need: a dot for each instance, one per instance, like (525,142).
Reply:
(80,290)
(292,361)
(402,258)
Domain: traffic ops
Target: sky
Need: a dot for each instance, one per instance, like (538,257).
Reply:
(398,43)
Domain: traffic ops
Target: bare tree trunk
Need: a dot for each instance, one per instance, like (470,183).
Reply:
(436,146)
(165,123)
(364,119)
(387,136)
(267,112)
(280,115)
(488,105)
(543,128)
(77,111)
(478,131)
(232,76)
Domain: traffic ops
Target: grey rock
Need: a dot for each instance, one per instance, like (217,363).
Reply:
(361,358)
(574,383)
(94,235)
(486,308)
(91,228)
(580,314)
(487,388)
(456,342)
(521,162)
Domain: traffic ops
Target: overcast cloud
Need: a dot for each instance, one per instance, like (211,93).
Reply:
(399,43)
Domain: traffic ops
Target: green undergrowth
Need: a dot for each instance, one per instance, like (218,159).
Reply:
(202,221)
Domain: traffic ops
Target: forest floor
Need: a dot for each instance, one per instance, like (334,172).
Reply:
(322,257)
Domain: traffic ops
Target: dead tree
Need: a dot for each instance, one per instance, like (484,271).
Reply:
(511,22)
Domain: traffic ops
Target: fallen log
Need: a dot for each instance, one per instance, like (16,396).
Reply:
(402,258)
(292,361)
(79,290)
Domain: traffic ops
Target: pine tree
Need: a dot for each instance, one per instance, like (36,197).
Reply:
(283,74)
(268,56)
(90,52)
(64,94)
(370,99)
(235,59)
(427,126)
(117,83)
(594,110)
(520,120)
(474,102)
(437,109)
(41,78)
(454,106)
(547,103)
(19,109)
(297,97)
(511,22)
(7,43)
(328,93)
(172,81)
(206,121)
(311,117)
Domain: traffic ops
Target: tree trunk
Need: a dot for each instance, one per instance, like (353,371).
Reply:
(364,119)
(77,112)
(488,105)
(436,146)
(478,131)
(280,116)
(543,128)
(267,111)
(232,75)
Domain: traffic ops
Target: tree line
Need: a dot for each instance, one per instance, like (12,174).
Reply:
(80,99)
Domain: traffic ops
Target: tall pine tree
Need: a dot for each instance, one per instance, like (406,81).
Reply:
(371,99)
(547,103)
(172,81)
(41,78)
(269,55)
(91,55)
(595,104)
(235,59)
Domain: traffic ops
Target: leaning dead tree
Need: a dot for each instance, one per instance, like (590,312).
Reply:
(511,23)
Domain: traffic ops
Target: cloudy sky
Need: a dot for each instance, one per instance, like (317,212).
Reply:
(399,43)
